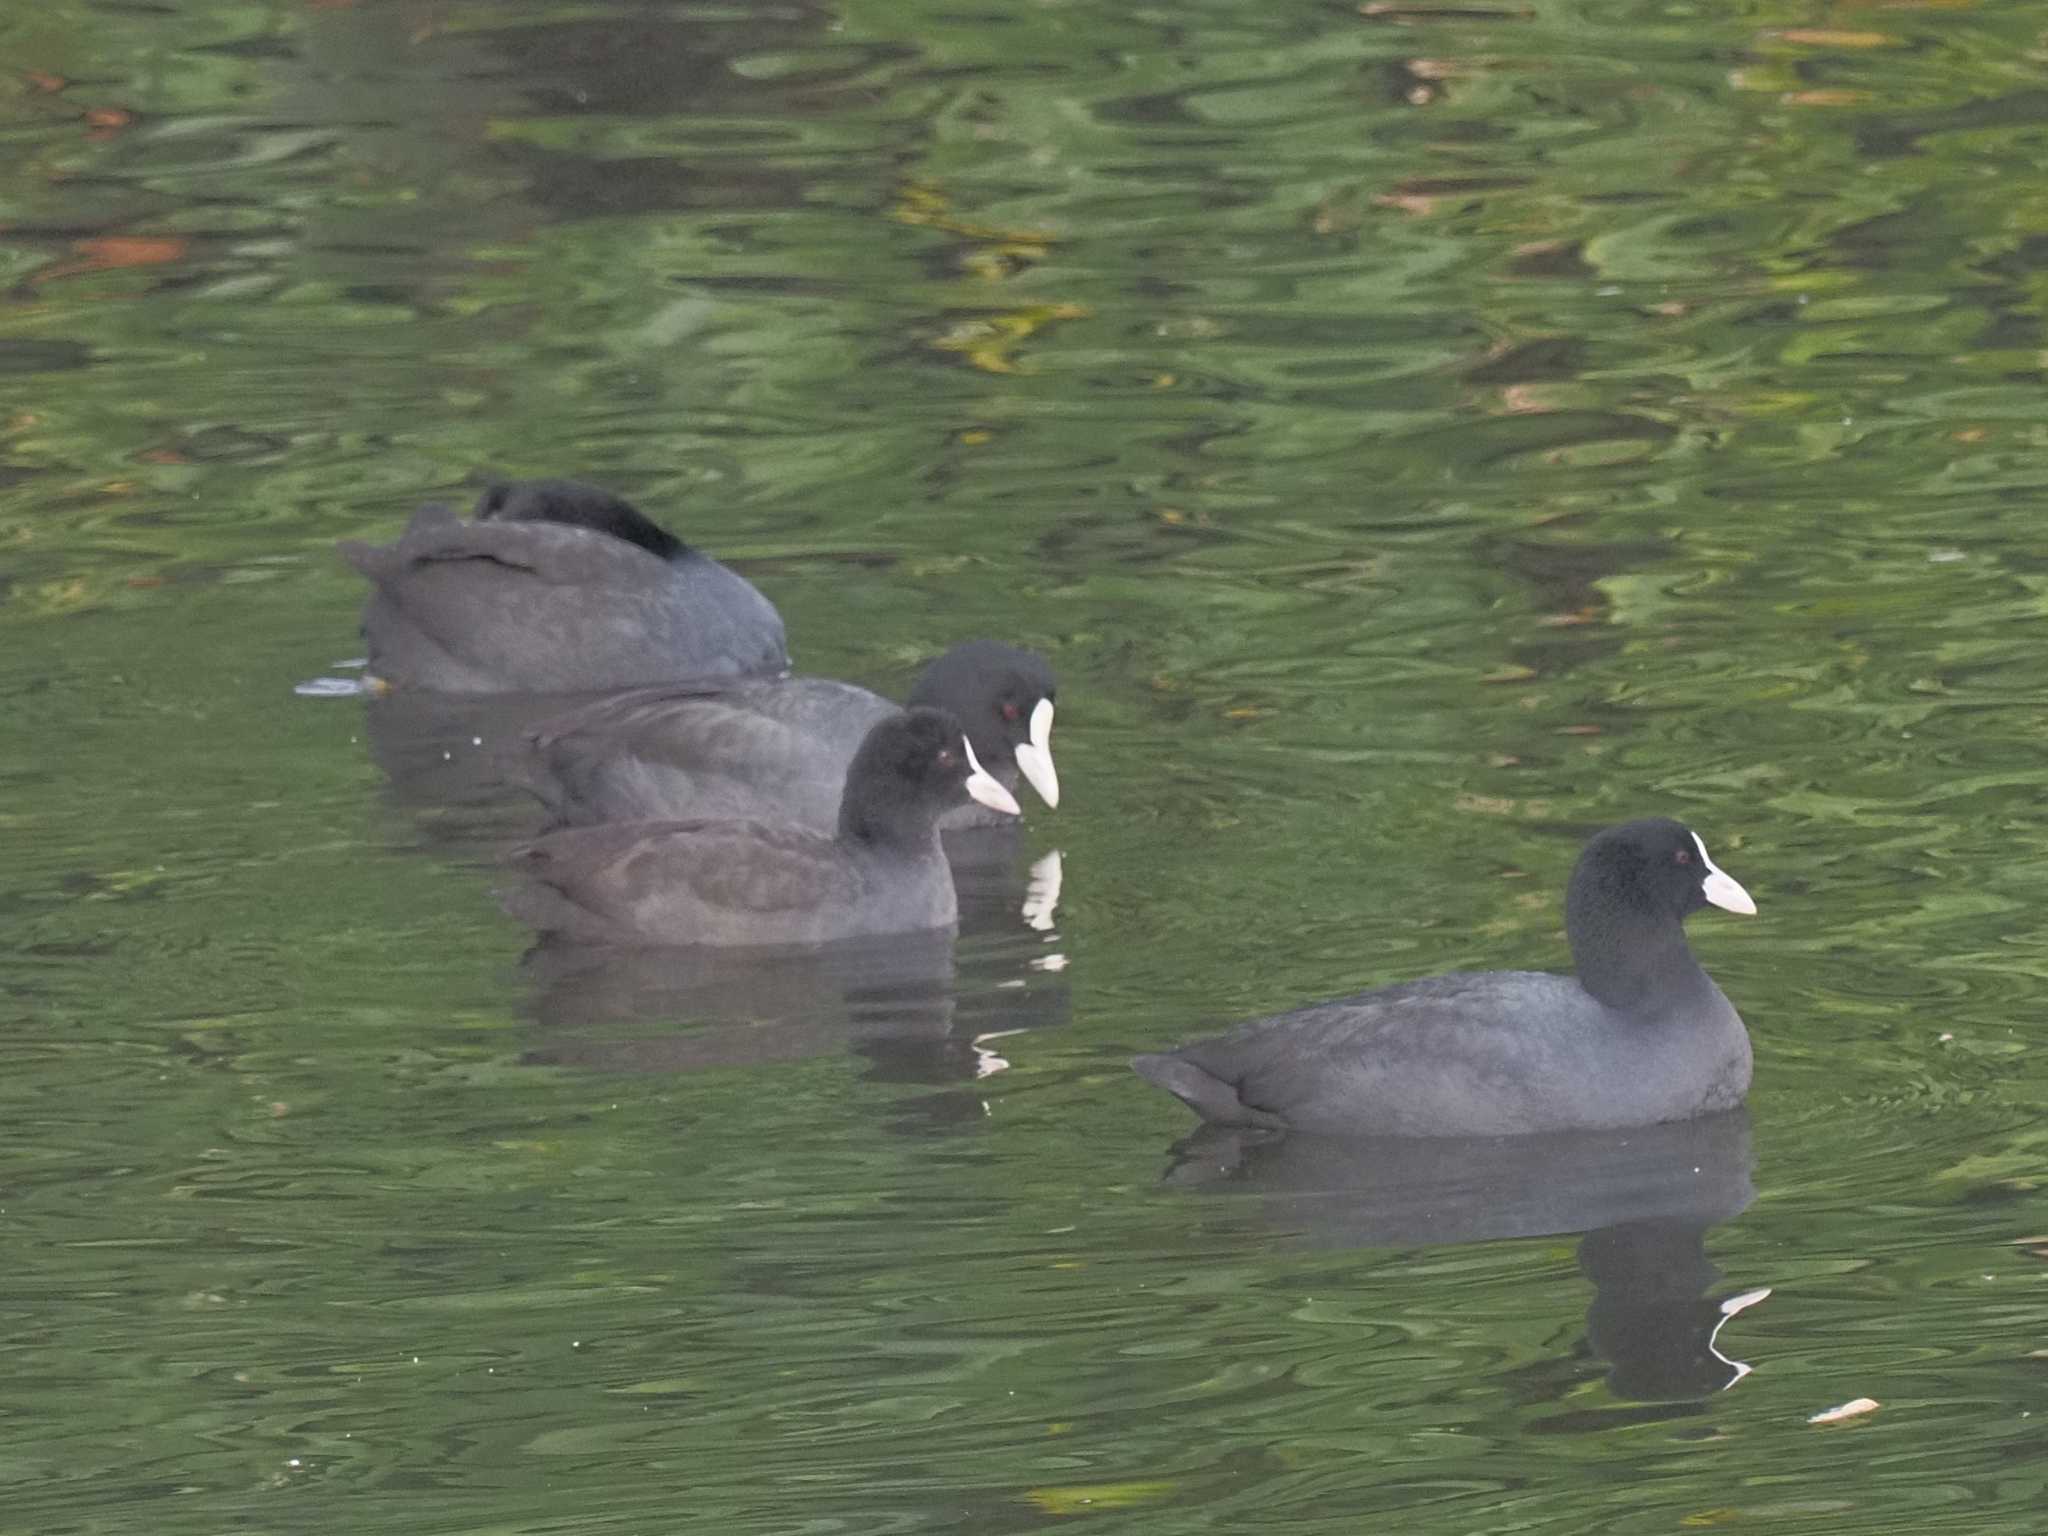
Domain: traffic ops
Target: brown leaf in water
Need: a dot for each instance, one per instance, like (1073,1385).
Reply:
(1408,202)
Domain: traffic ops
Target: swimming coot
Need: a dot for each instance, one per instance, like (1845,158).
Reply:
(774,882)
(1639,1035)
(779,749)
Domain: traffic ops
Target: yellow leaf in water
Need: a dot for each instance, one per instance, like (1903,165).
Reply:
(1485,805)
(1855,1408)
(1830,37)
(1093,1498)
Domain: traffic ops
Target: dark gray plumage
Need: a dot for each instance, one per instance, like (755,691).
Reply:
(1640,1035)
(758,882)
(555,586)
(780,749)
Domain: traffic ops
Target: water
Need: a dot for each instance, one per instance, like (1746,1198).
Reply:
(1417,435)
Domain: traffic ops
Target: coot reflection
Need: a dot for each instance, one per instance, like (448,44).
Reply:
(913,1006)
(1644,1197)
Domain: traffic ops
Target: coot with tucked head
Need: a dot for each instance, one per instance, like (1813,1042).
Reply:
(555,586)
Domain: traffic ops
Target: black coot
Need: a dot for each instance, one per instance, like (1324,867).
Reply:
(555,586)
(1639,1035)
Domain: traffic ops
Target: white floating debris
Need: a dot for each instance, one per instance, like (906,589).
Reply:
(1944,1037)
(1732,1307)
(1945,556)
(329,688)
(1049,963)
(1855,1408)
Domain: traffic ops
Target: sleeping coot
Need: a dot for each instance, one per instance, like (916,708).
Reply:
(554,586)
(1640,1035)
(771,882)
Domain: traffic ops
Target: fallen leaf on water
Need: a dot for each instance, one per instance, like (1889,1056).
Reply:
(1509,674)
(1087,1498)
(105,122)
(1579,730)
(111,253)
(1408,202)
(1855,1408)
(132,250)
(1484,805)
(48,84)
(1830,37)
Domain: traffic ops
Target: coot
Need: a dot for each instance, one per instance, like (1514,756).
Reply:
(774,882)
(1639,1035)
(555,586)
(780,749)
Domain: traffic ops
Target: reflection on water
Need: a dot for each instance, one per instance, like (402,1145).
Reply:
(1416,433)
(1644,1199)
(906,1004)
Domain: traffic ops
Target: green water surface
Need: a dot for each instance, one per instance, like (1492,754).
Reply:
(1418,434)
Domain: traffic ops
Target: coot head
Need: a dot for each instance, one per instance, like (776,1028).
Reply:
(1004,696)
(910,769)
(576,505)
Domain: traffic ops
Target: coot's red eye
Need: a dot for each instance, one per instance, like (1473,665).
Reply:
(1683,856)
(1010,710)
